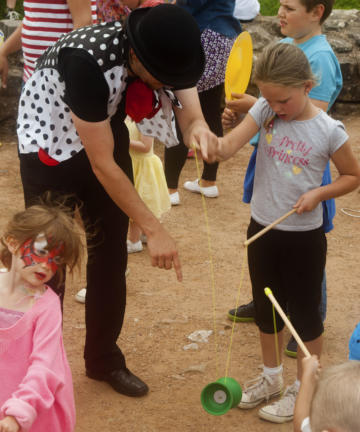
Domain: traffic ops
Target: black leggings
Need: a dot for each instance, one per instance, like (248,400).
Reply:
(175,157)
(107,254)
(291,264)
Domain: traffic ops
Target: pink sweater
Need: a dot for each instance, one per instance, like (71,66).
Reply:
(35,378)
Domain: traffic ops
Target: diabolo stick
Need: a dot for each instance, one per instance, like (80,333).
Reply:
(273,300)
(269,227)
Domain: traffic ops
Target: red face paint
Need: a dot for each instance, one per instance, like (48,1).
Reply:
(34,252)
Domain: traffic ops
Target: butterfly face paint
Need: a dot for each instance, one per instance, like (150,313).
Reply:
(35,252)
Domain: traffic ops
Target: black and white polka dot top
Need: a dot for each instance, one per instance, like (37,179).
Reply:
(44,119)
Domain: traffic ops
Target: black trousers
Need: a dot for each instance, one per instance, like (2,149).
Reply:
(107,227)
(292,264)
(175,157)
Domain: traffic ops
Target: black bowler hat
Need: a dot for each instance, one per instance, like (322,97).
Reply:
(166,40)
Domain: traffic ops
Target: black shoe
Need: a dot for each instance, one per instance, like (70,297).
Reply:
(291,348)
(122,381)
(244,313)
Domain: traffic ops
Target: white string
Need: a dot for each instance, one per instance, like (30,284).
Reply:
(346,211)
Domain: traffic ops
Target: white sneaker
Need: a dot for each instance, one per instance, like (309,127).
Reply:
(80,296)
(134,247)
(262,388)
(175,199)
(209,191)
(281,411)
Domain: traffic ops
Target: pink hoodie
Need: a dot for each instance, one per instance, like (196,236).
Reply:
(35,378)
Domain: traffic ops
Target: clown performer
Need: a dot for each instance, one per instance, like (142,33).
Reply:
(36,392)
(73,140)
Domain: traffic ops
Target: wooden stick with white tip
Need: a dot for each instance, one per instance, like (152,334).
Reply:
(273,300)
(269,227)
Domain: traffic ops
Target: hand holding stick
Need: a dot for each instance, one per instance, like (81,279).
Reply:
(301,344)
(269,227)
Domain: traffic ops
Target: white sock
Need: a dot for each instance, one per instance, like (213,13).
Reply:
(273,371)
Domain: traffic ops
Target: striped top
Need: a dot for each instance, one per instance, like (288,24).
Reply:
(43,24)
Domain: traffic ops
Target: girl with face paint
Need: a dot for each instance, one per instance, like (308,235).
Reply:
(36,391)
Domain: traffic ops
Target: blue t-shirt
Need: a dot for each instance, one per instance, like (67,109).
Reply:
(326,68)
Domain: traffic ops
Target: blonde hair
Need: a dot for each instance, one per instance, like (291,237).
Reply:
(56,222)
(336,400)
(283,64)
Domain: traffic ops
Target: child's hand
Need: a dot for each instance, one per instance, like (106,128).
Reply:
(9,424)
(311,369)
(240,103)
(307,202)
(229,119)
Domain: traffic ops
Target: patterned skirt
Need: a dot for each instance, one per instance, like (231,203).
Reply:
(217,49)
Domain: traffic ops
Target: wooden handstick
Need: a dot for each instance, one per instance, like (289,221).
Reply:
(269,227)
(301,344)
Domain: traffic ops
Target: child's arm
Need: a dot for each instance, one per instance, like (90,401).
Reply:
(308,382)
(11,45)
(348,180)
(240,104)
(142,146)
(9,424)
(80,12)
(237,138)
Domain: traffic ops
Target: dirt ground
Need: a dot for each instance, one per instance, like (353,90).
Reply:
(161,313)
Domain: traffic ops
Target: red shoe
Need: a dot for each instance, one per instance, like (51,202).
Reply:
(190,154)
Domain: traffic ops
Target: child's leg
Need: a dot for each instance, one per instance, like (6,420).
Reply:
(11,4)
(272,354)
(133,242)
(134,232)
(303,266)
(265,269)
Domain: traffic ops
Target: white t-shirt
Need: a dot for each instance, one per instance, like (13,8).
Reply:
(246,9)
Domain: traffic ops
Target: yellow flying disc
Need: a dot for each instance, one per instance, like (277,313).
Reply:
(239,65)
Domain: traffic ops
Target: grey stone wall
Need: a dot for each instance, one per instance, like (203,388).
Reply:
(342,29)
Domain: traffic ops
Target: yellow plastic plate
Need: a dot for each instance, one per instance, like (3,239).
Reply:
(239,65)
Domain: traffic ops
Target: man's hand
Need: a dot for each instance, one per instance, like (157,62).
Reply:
(163,251)
(201,138)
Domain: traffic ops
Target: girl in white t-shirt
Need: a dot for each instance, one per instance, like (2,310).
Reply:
(296,141)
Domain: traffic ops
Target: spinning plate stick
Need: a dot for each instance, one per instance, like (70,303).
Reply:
(269,227)
(273,300)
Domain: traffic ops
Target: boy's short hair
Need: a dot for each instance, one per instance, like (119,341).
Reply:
(336,399)
(328,5)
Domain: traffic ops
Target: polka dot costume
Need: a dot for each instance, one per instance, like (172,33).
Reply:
(44,119)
